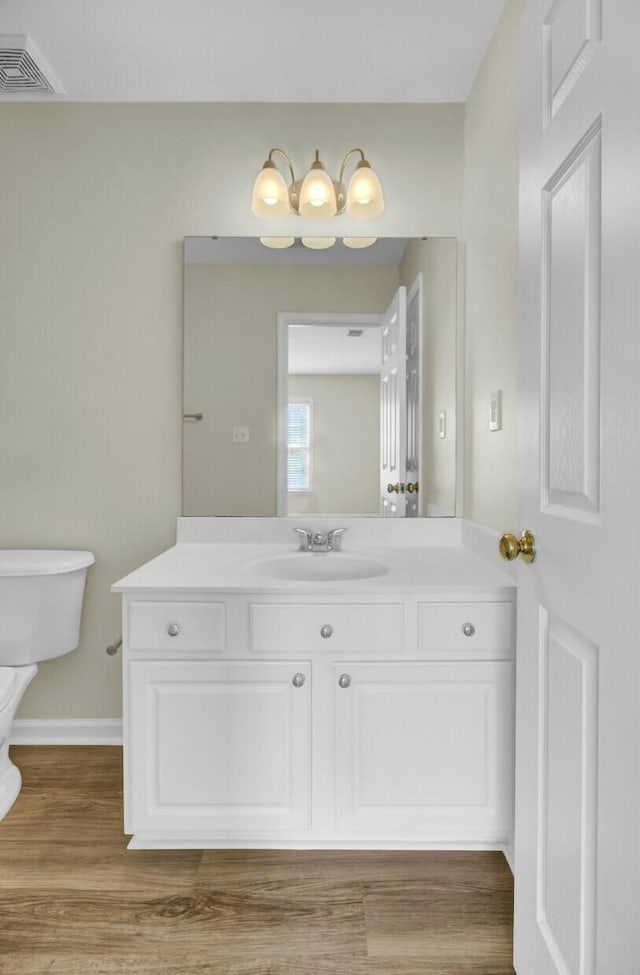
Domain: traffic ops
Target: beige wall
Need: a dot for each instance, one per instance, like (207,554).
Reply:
(230,356)
(345,443)
(436,260)
(94,202)
(491,253)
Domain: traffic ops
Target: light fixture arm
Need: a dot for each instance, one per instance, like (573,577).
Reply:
(285,156)
(346,159)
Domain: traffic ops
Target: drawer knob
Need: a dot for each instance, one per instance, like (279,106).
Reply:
(326,631)
(468,629)
(344,680)
(298,680)
(173,629)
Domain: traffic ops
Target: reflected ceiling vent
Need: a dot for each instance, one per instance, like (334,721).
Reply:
(355,333)
(23,70)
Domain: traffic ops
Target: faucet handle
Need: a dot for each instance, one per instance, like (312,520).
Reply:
(334,539)
(305,538)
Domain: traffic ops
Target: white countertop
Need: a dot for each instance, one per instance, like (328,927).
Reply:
(242,567)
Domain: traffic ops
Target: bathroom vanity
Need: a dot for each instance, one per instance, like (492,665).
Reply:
(275,702)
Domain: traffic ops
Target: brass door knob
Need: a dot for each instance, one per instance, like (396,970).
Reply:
(412,487)
(393,487)
(511,547)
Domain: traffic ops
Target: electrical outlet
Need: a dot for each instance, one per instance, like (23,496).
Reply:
(240,434)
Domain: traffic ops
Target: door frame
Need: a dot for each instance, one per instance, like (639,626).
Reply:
(285,319)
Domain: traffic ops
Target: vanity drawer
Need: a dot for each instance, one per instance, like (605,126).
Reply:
(466,626)
(356,627)
(176,626)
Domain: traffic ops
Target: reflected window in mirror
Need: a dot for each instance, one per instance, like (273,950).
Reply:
(299,457)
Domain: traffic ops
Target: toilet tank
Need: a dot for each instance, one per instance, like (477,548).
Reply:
(41,593)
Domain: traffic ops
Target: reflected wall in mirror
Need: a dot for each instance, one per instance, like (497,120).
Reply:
(266,328)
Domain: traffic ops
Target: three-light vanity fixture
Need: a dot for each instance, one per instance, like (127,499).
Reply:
(317,196)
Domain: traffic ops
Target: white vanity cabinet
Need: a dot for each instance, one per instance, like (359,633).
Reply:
(422,749)
(376,720)
(218,745)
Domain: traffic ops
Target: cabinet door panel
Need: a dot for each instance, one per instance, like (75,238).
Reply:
(425,749)
(219,746)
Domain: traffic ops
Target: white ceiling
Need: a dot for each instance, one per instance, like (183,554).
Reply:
(329,350)
(257,51)
(249,250)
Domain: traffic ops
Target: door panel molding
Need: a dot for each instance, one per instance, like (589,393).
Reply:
(571,356)
(567,794)
(571,32)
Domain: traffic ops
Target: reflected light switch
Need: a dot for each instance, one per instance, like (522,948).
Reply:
(495,411)
(442,424)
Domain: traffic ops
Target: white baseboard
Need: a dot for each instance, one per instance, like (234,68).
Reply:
(66,731)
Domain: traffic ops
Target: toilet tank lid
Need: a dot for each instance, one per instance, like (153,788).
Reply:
(42,562)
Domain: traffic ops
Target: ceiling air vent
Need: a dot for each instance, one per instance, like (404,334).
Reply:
(23,70)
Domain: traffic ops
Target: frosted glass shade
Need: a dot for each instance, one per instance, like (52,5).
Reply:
(270,195)
(358,243)
(318,243)
(317,195)
(277,243)
(364,195)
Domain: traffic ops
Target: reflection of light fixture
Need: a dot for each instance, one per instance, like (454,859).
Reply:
(357,243)
(318,243)
(278,243)
(317,195)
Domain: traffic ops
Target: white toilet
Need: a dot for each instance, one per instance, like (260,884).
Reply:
(41,595)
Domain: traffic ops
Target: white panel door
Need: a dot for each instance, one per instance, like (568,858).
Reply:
(393,409)
(425,749)
(219,746)
(578,695)
(414,404)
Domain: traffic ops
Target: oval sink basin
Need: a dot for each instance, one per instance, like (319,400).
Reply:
(322,567)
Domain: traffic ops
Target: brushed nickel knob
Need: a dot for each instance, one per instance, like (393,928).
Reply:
(298,680)
(344,680)
(468,629)
(326,631)
(173,629)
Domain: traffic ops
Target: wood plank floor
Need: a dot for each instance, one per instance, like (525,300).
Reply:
(74,901)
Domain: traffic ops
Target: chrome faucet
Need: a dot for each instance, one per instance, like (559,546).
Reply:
(320,541)
(334,539)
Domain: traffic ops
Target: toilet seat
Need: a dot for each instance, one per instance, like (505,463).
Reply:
(8,679)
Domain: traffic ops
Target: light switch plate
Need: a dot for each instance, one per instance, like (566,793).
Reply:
(495,411)
(240,434)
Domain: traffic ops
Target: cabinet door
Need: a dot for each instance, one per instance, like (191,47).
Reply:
(218,745)
(424,751)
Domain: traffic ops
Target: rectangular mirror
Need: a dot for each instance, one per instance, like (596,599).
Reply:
(321,380)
